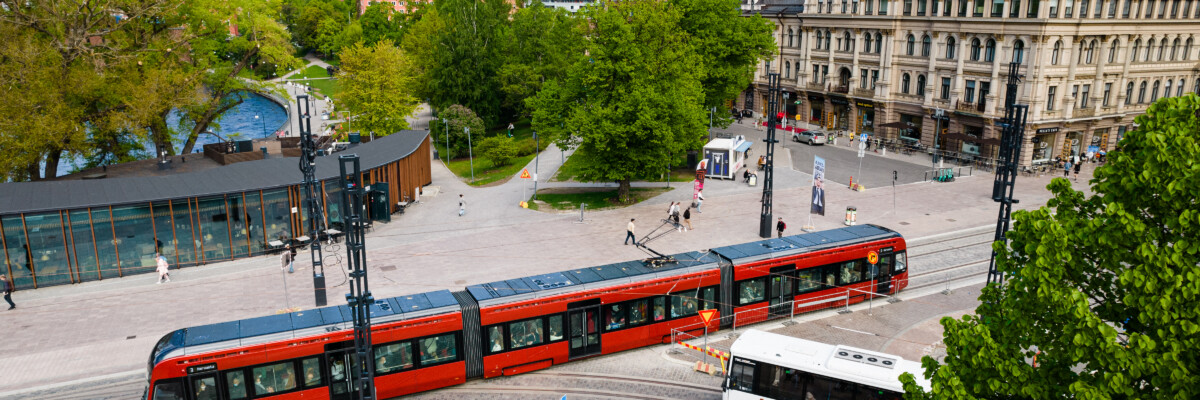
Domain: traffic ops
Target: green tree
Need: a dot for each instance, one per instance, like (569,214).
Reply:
(457,118)
(377,87)
(380,22)
(730,46)
(634,101)
(467,52)
(1104,288)
(543,42)
(500,149)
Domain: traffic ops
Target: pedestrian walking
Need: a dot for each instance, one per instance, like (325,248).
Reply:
(780,226)
(687,218)
(462,205)
(629,233)
(288,259)
(1077,165)
(1067,169)
(8,289)
(162,268)
(699,200)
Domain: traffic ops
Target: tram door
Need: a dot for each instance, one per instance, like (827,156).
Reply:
(343,371)
(884,272)
(779,290)
(584,327)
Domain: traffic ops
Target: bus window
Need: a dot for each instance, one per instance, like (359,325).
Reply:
(741,376)
(168,391)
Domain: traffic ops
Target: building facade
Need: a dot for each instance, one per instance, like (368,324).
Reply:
(880,67)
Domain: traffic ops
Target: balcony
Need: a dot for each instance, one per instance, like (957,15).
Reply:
(1083,112)
(816,86)
(979,107)
(843,89)
(867,93)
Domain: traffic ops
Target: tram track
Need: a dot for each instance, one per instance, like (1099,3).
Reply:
(571,383)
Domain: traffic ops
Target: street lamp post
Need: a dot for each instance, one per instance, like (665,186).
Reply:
(537,161)
(447,126)
(263,123)
(470,153)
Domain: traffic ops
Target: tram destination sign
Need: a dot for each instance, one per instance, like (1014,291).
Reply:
(202,368)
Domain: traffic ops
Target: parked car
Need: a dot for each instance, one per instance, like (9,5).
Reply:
(812,137)
(747,113)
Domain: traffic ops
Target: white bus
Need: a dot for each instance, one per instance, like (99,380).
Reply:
(770,366)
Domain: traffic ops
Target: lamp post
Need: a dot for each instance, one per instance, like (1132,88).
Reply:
(537,160)
(263,123)
(470,153)
(447,126)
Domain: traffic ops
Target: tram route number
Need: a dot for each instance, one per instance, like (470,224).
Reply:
(872,257)
(195,369)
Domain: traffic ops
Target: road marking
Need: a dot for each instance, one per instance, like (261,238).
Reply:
(853,330)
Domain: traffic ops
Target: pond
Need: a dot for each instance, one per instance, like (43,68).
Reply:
(257,117)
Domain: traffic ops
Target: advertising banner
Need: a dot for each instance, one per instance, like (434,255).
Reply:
(818,187)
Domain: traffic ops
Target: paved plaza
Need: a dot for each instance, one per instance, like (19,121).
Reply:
(104,330)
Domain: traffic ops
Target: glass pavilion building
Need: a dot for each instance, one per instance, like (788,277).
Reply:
(72,231)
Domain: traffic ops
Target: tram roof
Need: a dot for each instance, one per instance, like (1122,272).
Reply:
(585,276)
(835,361)
(768,248)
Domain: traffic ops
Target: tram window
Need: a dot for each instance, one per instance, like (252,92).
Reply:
(168,391)
(438,349)
(884,267)
(708,298)
(274,378)
(526,333)
(637,312)
(556,329)
(683,304)
(660,308)
(851,272)
(312,371)
(741,376)
(495,339)
(614,317)
(235,385)
(808,280)
(751,291)
(206,388)
(392,357)
(831,272)
(901,262)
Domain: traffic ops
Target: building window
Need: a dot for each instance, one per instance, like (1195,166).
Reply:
(979,4)
(912,43)
(921,7)
(908,7)
(791,38)
(1187,50)
(1054,53)
(847,42)
(1014,10)
(1154,92)
(1196,87)
(1075,94)
(1162,48)
(787,69)
(767,67)
(904,83)
(862,82)
(1133,53)
(1142,93)
(1034,7)
(1091,49)
(1099,9)
(875,78)
(1112,50)
(1125,9)
(1051,97)
(1018,52)
(989,50)
(925,43)
(1179,92)
(1068,8)
(844,4)
(962,7)
(997,8)
(878,43)
(1162,9)
(828,38)
(976,49)
(816,73)
(1112,9)
(945,88)
(797,70)
(883,7)
(1174,48)
(1107,93)
(824,73)
(950,46)
(1054,8)
(867,41)
(1129,93)
(820,37)
(1149,50)
(920,85)
(870,6)
(1083,100)
(1187,9)
(1083,8)
(970,92)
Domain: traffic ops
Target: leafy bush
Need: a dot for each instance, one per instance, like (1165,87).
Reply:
(500,149)
(458,117)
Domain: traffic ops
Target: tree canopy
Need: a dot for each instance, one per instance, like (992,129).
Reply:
(377,87)
(728,44)
(466,51)
(1103,289)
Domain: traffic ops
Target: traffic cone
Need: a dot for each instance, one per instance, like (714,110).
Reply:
(852,182)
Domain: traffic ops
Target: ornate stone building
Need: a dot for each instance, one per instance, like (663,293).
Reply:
(1089,68)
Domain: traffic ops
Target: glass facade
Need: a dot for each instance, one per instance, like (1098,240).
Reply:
(84,255)
(46,242)
(214,229)
(134,238)
(278,214)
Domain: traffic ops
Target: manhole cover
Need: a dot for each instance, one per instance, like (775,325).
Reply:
(903,223)
(387,268)
(951,220)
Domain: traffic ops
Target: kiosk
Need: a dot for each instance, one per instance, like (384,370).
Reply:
(725,156)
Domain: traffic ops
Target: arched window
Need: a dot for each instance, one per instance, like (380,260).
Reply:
(828,38)
(904,83)
(1112,50)
(1129,93)
(1196,87)
(1162,48)
(1142,93)
(925,43)
(847,41)
(1018,52)
(920,85)
(912,43)
(1133,53)
(976,48)
(879,42)
(1149,50)
(1054,53)
(1167,89)
(1091,50)
(820,37)
(797,71)
(867,42)
(791,38)
(787,69)
(1174,48)
(1154,92)
(1187,50)
(950,46)
(1179,91)
(989,51)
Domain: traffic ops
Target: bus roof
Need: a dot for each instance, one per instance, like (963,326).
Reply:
(847,363)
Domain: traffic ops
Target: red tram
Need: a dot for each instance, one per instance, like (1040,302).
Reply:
(437,339)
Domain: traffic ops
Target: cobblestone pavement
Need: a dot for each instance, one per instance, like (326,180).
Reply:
(66,333)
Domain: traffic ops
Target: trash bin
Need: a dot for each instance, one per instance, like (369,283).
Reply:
(753,180)
(851,215)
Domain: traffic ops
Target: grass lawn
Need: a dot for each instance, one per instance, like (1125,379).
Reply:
(570,170)
(485,172)
(328,87)
(596,198)
(312,71)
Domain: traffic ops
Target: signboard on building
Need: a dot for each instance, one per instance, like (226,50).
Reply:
(1047,130)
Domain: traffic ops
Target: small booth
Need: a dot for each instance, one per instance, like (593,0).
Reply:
(725,156)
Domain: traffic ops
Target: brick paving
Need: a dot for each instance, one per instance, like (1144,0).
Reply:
(61,334)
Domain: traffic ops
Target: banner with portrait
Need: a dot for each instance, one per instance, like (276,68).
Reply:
(818,187)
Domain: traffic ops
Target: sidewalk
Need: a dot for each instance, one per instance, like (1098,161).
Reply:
(65,333)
